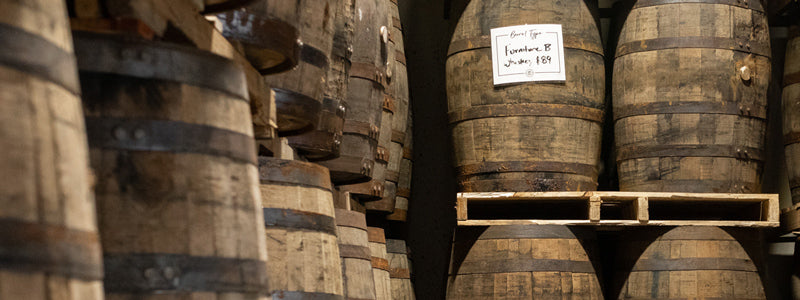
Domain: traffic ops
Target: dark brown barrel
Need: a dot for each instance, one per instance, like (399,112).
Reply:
(171,143)
(215,6)
(380,263)
(356,255)
(399,270)
(791,113)
(268,33)
(365,91)
(403,192)
(48,231)
(323,143)
(529,136)
(301,230)
(523,262)
(690,95)
(687,263)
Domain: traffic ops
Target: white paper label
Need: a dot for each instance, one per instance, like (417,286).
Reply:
(526,53)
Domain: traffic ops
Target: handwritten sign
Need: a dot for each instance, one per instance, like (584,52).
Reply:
(527,53)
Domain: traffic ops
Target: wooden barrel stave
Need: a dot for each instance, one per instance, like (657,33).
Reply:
(403,189)
(709,114)
(356,255)
(324,142)
(685,263)
(791,118)
(522,261)
(400,273)
(380,263)
(176,147)
(49,246)
(499,134)
(303,254)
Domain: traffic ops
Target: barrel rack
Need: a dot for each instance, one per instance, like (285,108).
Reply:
(617,209)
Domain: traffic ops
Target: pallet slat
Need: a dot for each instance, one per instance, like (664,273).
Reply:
(618,209)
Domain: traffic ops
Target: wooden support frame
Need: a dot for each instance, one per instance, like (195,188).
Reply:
(620,209)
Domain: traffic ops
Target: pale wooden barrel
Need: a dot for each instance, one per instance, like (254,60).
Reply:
(49,246)
(529,136)
(522,262)
(366,87)
(687,263)
(399,270)
(791,112)
(171,142)
(303,254)
(380,263)
(356,255)
(690,95)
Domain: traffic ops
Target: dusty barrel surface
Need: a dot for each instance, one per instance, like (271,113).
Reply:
(365,95)
(172,146)
(356,255)
(303,254)
(267,31)
(687,263)
(403,192)
(399,270)
(530,136)
(522,261)
(380,263)
(49,245)
(791,113)
(689,91)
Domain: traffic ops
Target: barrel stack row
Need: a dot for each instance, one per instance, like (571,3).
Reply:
(689,113)
(140,175)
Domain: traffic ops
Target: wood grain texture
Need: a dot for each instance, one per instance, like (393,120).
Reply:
(175,218)
(687,263)
(403,192)
(365,95)
(522,262)
(791,115)
(48,238)
(303,257)
(501,135)
(689,92)
(380,263)
(400,274)
(355,251)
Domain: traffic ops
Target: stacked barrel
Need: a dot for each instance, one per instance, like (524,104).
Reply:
(689,113)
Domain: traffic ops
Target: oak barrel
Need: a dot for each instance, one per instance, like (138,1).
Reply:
(403,191)
(523,262)
(365,95)
(530,136)
(171,142)
(49,247)
(791,112)
(399,270)
(374,192)
(268,33)
(303,254)
(687,263)
(690,95)
(380,263)
(216,6)
(398,89)
(356,255)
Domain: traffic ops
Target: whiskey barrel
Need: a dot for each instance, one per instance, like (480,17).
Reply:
(365,95)
(49,246)
(791,113)
(301,230)
(374,192)
(216,6)
(171,143)
(399,270)
(530,136)
(323,143)
(522,262)
(403,192)
(267,31)
(356,255)
(380,263)
(399,93)
(690,94)
(687,263)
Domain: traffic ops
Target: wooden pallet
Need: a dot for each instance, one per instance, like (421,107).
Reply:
(617,209)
